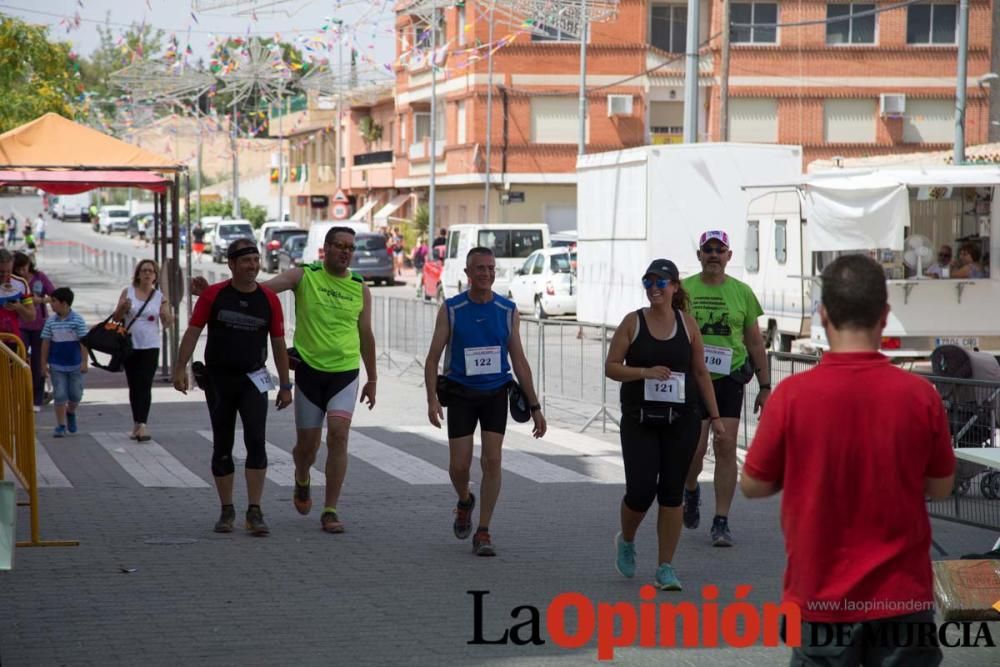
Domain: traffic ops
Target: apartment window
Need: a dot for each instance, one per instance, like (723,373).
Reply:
(668,28)
(929,121)
(931,24)
(422,36)
(554,119)
(850,29)
(758,21)
(753,246)
(422,126)
(461,24)
(849,121)
(460,113)
(781,241)
(753,119)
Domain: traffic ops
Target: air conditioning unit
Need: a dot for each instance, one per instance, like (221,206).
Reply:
(619,105)
(891,104)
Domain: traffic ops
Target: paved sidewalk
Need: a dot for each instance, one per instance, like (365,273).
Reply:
(151,584)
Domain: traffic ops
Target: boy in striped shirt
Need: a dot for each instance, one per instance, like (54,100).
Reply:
(64,359)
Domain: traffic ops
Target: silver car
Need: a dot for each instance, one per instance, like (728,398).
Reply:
(372,259)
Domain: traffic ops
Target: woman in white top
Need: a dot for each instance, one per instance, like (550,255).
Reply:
(145,320)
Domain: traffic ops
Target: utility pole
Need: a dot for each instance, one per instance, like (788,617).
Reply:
(281,159)
(691,75)
(582,142)
(432,195)
(724,75)
(993,103)
(236,164)
(960,84)
(340,101)
(489,113)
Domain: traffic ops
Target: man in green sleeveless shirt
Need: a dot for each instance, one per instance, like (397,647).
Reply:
(333,335)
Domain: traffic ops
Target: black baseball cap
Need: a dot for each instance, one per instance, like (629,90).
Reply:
(663,268)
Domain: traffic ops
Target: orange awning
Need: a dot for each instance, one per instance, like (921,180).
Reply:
(55,142)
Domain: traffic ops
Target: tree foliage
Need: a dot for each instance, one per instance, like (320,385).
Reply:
(36,75)
(257,215)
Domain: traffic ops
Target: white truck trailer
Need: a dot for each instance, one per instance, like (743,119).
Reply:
(638,204)
(901,216)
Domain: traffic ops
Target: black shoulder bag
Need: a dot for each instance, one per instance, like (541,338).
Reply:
(113,338)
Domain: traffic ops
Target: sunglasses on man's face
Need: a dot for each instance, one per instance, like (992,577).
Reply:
(343,246)
(661,283)
(713,250)
(943,255)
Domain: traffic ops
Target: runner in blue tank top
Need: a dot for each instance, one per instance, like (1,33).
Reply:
(477,331)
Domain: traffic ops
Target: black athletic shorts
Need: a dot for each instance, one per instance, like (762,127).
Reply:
(488,409)
(729,396)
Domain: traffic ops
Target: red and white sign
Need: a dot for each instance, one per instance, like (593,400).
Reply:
(340,196)
(341,211)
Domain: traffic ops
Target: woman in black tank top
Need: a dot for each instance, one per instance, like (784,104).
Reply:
(657,355)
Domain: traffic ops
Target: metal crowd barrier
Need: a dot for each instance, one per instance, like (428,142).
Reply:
(17,432)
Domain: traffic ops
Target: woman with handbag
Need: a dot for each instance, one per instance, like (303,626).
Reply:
(31,332)
(657,355)
(143,309)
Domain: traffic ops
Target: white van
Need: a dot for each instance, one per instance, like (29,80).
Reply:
(317,233)
(511,245)
(72,207)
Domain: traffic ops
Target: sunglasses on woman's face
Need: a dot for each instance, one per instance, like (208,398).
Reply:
(661,283)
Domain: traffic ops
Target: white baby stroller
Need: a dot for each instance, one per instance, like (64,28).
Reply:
(972,410)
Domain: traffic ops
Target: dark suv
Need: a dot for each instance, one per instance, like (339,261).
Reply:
(372,259)
(273,246)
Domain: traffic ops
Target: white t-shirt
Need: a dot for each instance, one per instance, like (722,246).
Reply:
(40,225)
(146,330)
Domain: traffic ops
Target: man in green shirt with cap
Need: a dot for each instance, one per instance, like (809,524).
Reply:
(726,310)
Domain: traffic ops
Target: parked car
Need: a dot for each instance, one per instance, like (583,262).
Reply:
(113,219)
(372,259)
(276,240)
(265,231)
(510,243)
(546,283)
(290,254)
(209,223)
(226,232)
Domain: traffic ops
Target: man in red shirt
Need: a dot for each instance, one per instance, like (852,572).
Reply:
(856,445)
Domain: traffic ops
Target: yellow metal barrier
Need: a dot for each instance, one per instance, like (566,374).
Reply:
(17,431)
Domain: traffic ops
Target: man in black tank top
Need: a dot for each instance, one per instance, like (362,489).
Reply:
(657,355)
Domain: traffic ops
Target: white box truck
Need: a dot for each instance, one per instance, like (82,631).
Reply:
(638,204)
(902,217)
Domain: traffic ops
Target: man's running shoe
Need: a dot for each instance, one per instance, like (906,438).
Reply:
(71,422)
(625,558)
(59,432)
(481,543)
(463,518)
(226,519)
(331,522)
(300,498)
(666,578)
(255,522)
(721,537)
(692,502)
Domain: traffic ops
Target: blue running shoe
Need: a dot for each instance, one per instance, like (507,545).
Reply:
(666,578)
(71,422)
(625,559)
(59,432)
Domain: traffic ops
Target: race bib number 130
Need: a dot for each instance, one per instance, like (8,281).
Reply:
(718,359)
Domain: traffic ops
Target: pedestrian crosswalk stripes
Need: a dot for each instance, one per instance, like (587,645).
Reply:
(517,461)
(399,464)
(148,462)
(569,459)
(280,464)
(46,472)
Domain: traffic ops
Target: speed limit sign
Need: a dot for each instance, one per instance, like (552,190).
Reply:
(341,211)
